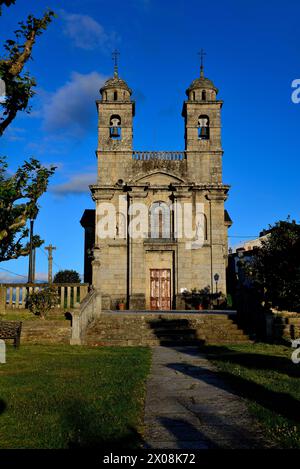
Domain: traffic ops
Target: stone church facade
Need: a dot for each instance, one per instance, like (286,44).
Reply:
(142,254)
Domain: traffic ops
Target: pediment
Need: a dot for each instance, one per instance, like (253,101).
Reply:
(158,178)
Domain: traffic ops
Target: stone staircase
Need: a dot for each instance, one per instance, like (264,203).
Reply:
(147,328)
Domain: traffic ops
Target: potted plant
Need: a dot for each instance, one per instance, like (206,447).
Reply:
(197,299)
(121,305)
(204,298)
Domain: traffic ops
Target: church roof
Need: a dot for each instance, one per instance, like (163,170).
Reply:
(203,83)
(227,219)
(115,82)
(88,218)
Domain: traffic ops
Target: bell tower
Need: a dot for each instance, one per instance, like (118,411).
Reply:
(115,119)
(202,117)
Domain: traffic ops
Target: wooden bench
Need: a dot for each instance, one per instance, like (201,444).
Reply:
(11,330)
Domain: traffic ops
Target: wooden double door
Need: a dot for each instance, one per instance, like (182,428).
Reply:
(160,289)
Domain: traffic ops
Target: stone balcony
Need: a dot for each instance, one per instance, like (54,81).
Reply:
(159,155)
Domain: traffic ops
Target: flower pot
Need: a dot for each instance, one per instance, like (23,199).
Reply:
(200,307)
(121,306)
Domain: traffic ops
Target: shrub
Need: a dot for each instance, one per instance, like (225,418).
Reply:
(204,297)
(40,302)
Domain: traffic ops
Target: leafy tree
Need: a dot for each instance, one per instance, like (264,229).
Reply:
(19,86)
(67,276)
(275,268)
(19,193)
(7,3)
(19,196)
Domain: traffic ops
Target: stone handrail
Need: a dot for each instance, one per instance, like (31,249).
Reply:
(159,155)
(83,314)
(13,295)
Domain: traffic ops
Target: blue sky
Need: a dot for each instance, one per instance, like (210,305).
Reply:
(252,57)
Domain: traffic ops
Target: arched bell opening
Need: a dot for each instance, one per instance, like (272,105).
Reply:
(115,127)
(203,127)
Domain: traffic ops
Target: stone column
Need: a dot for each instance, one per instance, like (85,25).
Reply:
(136,253)
(218,240)
(96,264)
(2,299)
(2,351)
(75,337)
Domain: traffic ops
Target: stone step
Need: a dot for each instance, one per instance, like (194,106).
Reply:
(147,342)
(142,328)
(166,316)
(107,327)
(101,329)
(149,334)
(162,322)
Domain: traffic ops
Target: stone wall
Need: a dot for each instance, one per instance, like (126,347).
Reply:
(46,332)
(283,325)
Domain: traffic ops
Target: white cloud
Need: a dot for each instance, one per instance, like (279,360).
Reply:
(86,33)
(6,277)
(77,184)
(71,108)
(15,134)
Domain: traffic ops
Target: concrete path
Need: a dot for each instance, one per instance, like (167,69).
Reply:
(188,406)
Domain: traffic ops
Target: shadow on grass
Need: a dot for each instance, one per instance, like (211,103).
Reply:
(83,427)
(279,402)
(255,361)
(2,406)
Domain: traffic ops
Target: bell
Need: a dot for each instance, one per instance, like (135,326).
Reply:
(203,134)
(114,132)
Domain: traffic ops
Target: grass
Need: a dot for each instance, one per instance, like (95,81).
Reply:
(27,316)
(72,397)
(265,375)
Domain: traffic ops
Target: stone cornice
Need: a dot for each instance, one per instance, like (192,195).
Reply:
(173,187)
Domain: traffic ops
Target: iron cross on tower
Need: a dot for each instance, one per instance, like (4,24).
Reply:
(115,56)
(202,53)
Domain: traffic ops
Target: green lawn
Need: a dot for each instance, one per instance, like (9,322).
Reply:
(64,397)
(265,375)
(27,316)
